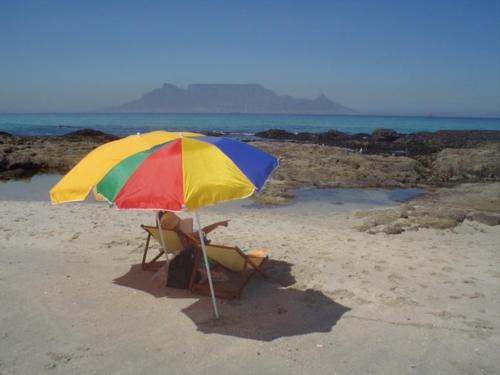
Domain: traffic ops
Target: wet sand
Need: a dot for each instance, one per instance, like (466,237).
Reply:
(337,300)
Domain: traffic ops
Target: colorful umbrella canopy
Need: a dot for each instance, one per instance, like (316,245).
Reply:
(168,171)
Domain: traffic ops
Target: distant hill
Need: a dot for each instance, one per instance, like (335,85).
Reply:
(226,98)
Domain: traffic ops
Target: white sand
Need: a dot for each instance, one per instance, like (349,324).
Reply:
(416,303)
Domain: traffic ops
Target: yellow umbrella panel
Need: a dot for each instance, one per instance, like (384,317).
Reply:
(77,183)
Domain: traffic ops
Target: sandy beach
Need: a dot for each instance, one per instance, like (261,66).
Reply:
(73,298)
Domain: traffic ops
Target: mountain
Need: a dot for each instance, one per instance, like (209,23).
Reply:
(226,98)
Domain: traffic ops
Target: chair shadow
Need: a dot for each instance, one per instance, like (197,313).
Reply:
(269,308)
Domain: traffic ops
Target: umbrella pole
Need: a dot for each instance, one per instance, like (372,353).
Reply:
(158,223)
(209,276)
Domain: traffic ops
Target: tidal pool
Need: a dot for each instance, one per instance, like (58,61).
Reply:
(334,200)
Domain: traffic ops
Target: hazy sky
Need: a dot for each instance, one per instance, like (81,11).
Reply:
(397,57)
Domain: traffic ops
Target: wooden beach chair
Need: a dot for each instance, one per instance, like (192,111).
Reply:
(241,266)
(172,242)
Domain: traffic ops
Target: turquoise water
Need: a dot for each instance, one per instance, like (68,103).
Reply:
(237,124)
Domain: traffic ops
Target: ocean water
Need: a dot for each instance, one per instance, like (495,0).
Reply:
(238,125)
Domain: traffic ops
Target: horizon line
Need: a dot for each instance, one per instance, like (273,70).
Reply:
(429,116)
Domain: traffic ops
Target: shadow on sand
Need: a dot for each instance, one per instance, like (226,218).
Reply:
(269,308)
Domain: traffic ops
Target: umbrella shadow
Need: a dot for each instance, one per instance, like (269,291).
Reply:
(269,308)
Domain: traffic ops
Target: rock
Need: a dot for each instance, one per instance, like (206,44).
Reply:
(395,228)
(216,133)
(84,134)
(426,221)
(490,219)
(376,218)
(361,136)
(275,134)
(307,137)
(331,137)
(17,164)
(24,156)
(475,164)
(454,214)
(388,141)
(438,216)
(458,215)
(385,135)
(442,208)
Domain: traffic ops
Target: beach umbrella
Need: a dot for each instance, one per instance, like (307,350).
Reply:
(168,171)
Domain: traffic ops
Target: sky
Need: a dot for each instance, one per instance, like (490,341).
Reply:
(378,57)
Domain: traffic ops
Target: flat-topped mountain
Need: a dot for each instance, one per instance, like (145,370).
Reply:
(226,98)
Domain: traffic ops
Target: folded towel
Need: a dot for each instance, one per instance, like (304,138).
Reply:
(259,252)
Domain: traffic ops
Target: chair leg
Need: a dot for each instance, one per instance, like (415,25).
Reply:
(145,252)
(146,265)
(245,278)
(247,275)
(195,269)
(156,257)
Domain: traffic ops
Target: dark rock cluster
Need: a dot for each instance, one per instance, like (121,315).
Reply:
(24,156)
(388,141)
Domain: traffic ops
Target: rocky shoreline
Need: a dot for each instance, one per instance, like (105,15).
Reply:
(423,157)
(383,159)
(440,208)
(389,142)
(25,156)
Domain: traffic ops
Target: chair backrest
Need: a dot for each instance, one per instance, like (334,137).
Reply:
(228,257)
(173,243)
